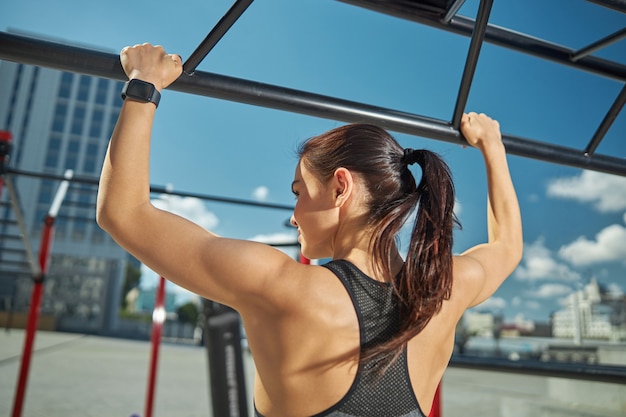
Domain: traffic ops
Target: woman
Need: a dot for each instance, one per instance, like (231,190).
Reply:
(367,335)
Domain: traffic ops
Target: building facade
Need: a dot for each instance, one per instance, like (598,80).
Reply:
(59,121)
(590,314)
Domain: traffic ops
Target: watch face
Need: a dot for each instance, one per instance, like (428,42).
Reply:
(140,90)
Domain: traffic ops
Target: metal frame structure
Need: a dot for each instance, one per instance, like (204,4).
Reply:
(440,14)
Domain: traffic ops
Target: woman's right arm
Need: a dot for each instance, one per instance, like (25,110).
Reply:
(483,268)
(229,271)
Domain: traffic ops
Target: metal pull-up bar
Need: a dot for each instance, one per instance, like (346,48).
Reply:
(215,35)
(70,58)
(478,35)
(608,120)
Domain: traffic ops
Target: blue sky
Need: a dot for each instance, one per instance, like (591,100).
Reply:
(574,221)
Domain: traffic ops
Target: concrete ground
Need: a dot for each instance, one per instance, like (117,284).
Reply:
(90,376)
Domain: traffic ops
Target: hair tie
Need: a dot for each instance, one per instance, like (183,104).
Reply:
(409,157)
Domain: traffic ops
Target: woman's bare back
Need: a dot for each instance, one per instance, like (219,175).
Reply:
(317,343)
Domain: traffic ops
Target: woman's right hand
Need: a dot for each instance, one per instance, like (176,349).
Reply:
(151,64)
(480,130)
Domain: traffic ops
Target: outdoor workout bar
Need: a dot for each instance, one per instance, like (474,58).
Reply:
(70,58)
(472,59)
(503,37)
(215,35)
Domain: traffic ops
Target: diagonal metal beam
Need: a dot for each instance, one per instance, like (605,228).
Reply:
(505,38)
(452,11)
(610,117)
(69,58)
(17,212)
(225,23)
(472,59)
(602,43)
(617,5)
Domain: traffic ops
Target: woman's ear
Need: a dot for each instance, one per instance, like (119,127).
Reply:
(343,185)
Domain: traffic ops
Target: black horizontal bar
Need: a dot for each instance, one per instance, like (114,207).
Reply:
(165,190)
(504,37)
(155,189)
(580,371)
(70,58)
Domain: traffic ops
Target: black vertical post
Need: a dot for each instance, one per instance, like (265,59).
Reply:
(222,333)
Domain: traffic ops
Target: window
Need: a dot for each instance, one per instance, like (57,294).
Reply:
(45,193)
(79,229)
(53,152)
(98,235)
(16,87)
(96,123)
(91,158)
(71,154)
(112,122)
(60,114)
(78,120)
(83,88)
(65,88)
(101,91)
(117,98)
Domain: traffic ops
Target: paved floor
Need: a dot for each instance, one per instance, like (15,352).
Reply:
(88,376)
(74,375)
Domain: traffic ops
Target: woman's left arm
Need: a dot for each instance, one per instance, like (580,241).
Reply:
(486,266)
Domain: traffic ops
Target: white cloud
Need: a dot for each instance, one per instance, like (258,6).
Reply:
(150,279)
(280,238)
(551,291)
(538,263)
(615,290)
(261,193)
(275,238)
(492,303)
(190,208)
(458,208)
(606,192)
(533,198)
(609,245)
(533,305)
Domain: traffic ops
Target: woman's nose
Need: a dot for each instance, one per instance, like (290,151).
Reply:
(293,222)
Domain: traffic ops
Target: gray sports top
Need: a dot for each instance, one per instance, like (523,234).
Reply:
(371,394)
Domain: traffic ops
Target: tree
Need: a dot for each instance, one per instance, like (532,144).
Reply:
(188,313)
(131,280)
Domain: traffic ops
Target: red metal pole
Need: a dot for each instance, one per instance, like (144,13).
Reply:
(33,315)
(158,317)
(5,150)
(435,410)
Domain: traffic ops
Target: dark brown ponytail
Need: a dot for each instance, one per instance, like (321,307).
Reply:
(426,278)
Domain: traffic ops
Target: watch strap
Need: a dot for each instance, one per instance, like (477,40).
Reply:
(142,91)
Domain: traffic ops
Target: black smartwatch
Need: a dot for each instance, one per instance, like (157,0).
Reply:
(142,91)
